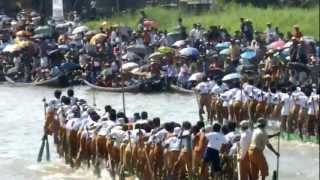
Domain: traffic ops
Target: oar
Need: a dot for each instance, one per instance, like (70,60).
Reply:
(41,149)
(198,103)
(47,148)
(275,175)
(44,137)
(238,161)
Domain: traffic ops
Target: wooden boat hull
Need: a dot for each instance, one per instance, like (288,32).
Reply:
(133,88)
(181,90)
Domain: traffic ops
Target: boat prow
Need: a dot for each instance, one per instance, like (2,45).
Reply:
(132,88)
(16,83)
(54,82)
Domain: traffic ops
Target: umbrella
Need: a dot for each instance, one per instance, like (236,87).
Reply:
(249,54)
(165,50)
(24,44)
(225,51)
(151,24)
(223,45)
(189,52)
(11,48)
(100,37)
(90,33)
(196,77)
(70,66)
(63,47)
(21,33)
(131,56)
(42,30)
(231,76)
(129,66)
(179,44)
(280,44)
(38,36)
(288,44)
(80,29)
(155,55)
(137,49)
(286,51)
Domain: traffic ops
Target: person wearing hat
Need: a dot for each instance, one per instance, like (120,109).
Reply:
(260,139)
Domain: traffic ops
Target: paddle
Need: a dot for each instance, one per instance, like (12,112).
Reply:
(39,159)
(47,148)
(45,141)
(275,175)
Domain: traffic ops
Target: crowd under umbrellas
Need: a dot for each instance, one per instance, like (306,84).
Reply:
(245,75)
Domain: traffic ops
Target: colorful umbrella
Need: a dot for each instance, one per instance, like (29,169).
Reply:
(137,49)
(196,77)
(100,37)
(225,51)
(249,54)
(190,52)
(151,24)
(131,56)
(179,44)
(156,55)
(165,50)
(80,29)
(231,76)
(223,45)
(280,44)
(10,48)
(129,66)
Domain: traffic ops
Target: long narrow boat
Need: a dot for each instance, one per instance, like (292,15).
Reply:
(181,90)
(132,88)
(54,82)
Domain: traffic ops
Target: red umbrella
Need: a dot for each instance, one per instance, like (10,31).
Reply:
(279,44)
(150,24)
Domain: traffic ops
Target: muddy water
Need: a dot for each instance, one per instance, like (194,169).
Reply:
(21,119)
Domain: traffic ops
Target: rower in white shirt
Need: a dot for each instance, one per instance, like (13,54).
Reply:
(203,91)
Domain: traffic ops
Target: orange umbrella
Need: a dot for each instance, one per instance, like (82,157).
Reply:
(21,33)
(100,37)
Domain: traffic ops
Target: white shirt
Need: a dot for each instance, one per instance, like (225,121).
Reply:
(203,88)
(313,105)
(285,99)
(245,141)
(173,142)
(215,140)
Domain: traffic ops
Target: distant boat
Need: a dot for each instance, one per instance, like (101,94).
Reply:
(131,88)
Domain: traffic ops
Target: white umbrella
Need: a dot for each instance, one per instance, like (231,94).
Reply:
(130,56)
(196,76)
(80,29)
(179,44)
(231,76)
(129,66)
(11,48)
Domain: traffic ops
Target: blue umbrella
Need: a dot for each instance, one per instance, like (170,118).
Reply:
(190,52)
(225,51)
(63,47)
(248,54)
(70,66)
(223,45)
